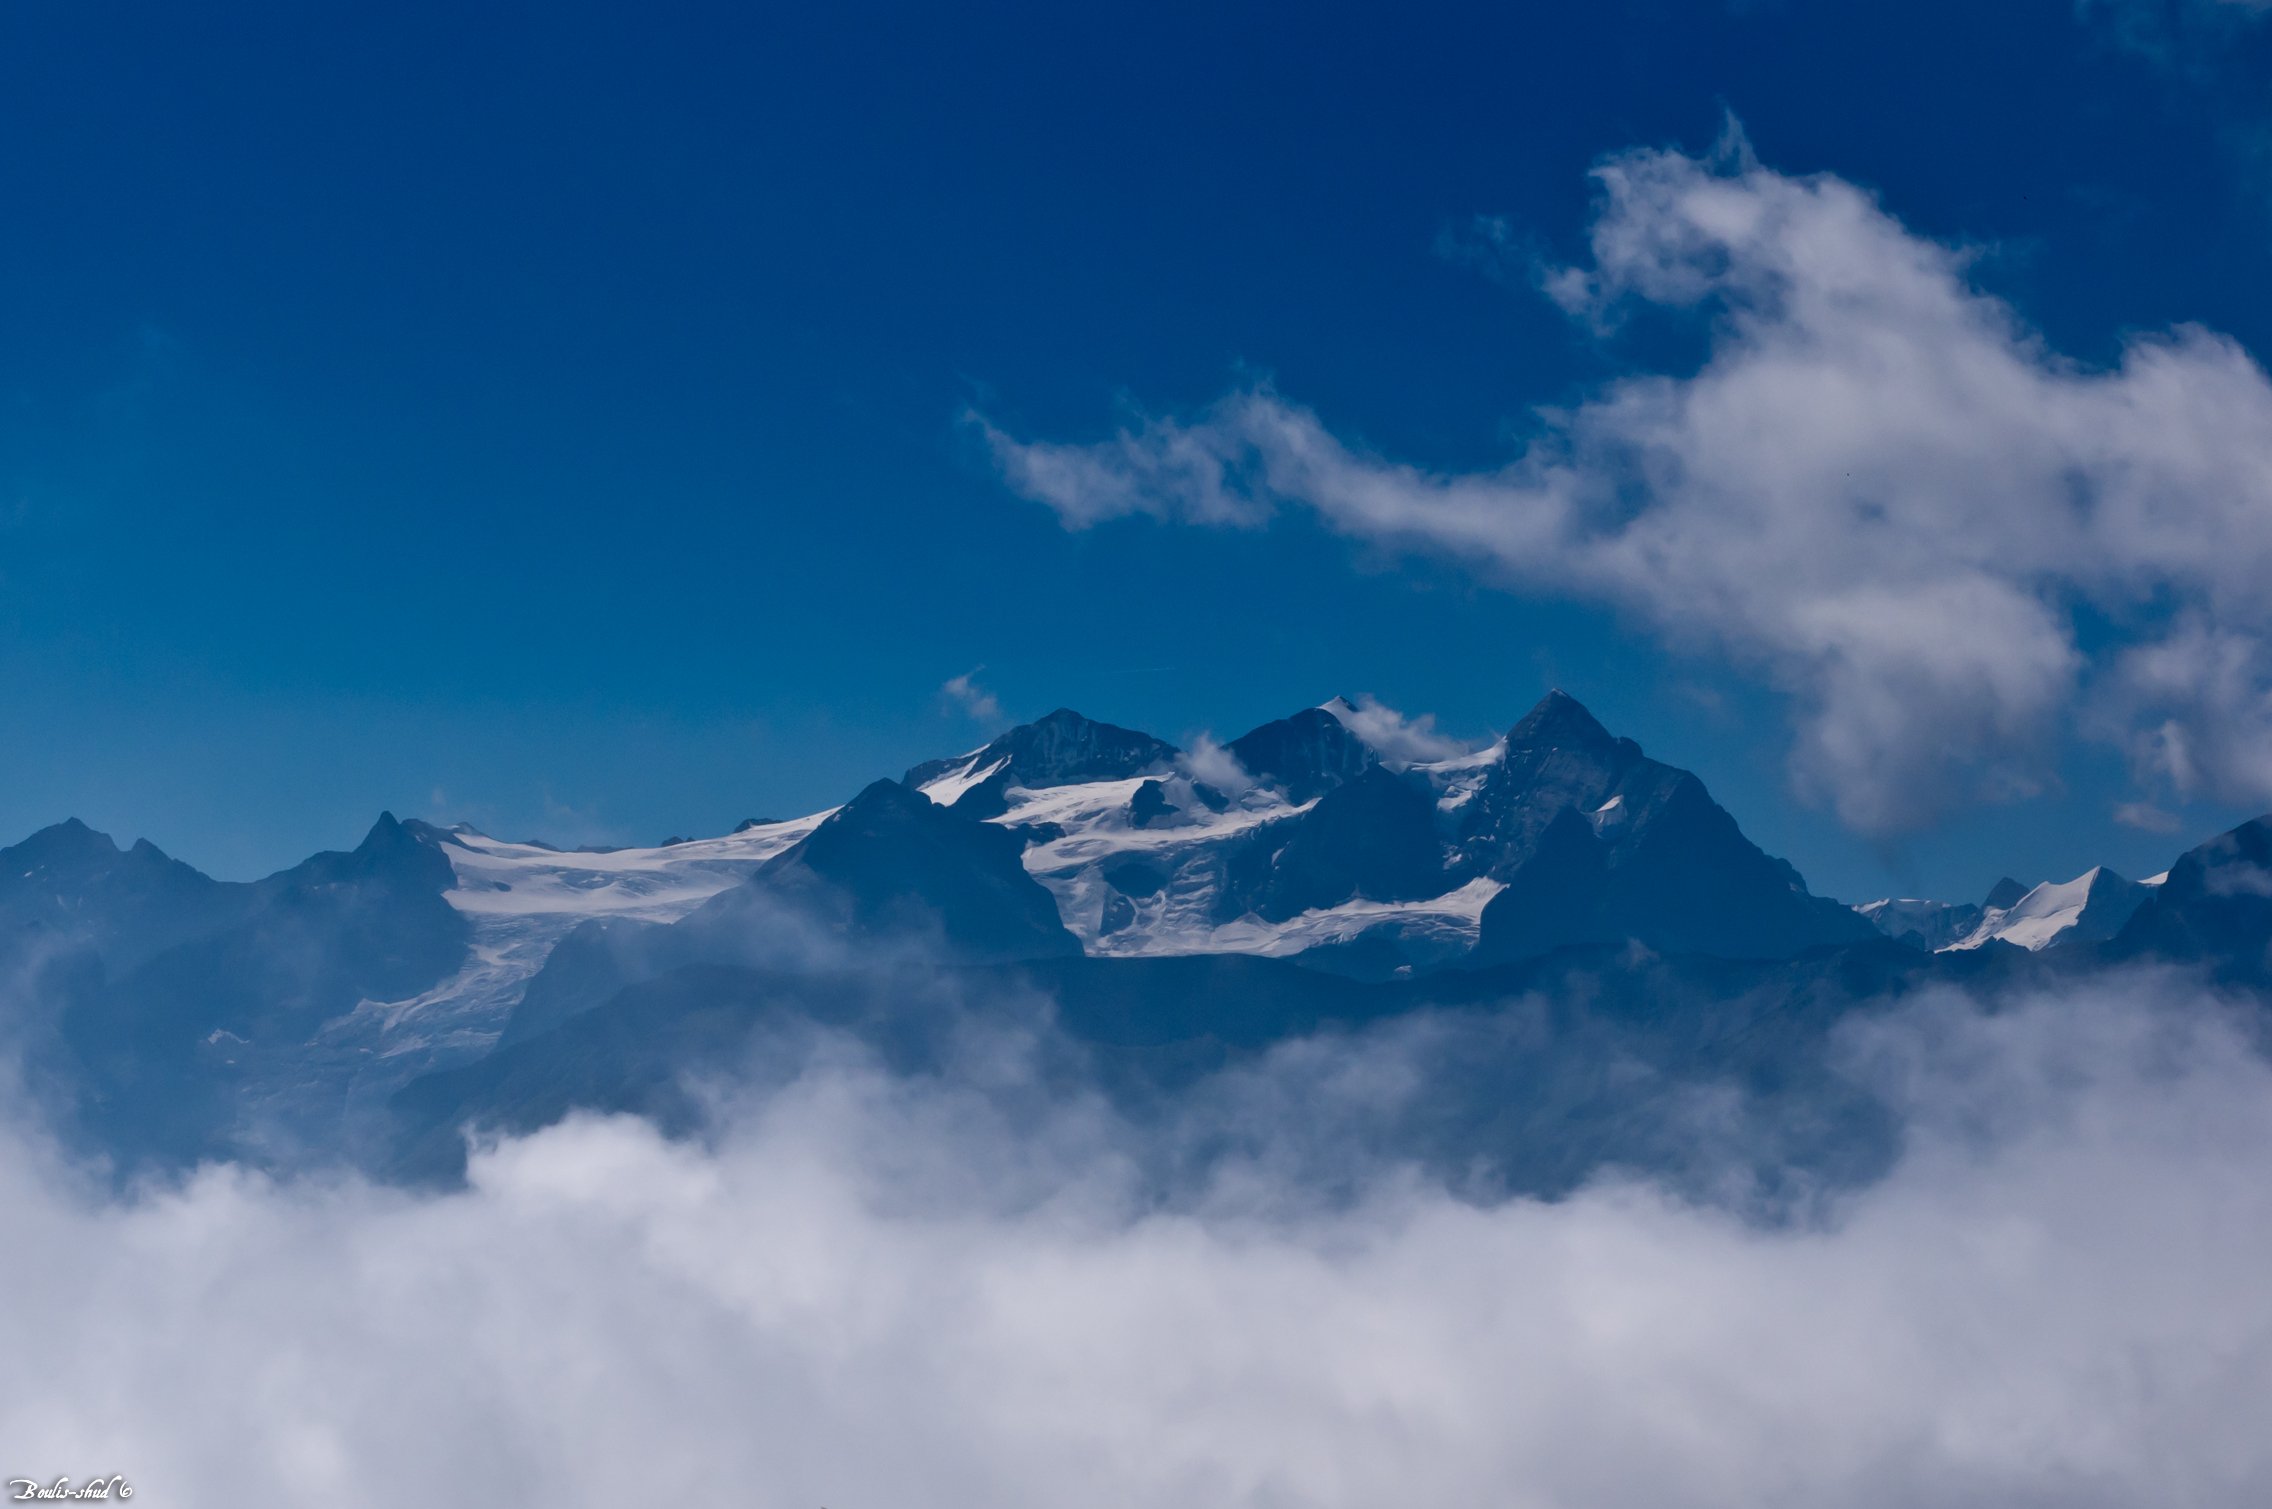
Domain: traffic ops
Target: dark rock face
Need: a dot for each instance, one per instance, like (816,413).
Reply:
(2215,909)
(2005,893)
(892,861)
(1373,837)
(1556,898)
(584,970)
(1556,758)
(69,888)
(891,868)
(1135,877)
(300,947)
(1057,750)
(1150,804)
(1303,756)
(1595,841)
(162,1046)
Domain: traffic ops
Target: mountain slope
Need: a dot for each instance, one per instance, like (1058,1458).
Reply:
(2091,908)
(1303,756)
(889,873)
(1381,866)
(187,1017)
(2214,909)
(69,888)
(212,1040)
(892,863)
(1595,841)
(1920,923)
(1061,749)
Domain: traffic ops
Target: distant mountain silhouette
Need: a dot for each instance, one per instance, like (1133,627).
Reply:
(1168,919)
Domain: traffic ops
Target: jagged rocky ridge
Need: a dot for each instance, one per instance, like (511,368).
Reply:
(2091,908)
(1298,839)
(1178,908)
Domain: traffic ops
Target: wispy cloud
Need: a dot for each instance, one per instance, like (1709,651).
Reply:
(2176,32)
(1210,764)
(964,695)
(1881,491)
(1395,737)
(2146,817)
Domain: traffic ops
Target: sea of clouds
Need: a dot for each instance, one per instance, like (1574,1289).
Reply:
(875,1289)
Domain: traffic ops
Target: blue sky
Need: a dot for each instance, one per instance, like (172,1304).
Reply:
(553,417)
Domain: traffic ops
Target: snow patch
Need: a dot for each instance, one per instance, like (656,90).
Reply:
(2047,914)
(522,899)
(948,789)
(1455,917)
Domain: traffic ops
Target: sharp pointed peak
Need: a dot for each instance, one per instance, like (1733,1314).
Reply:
(1325,716)
(1560,719)
(1333,713)
(2006,893)
(391,834)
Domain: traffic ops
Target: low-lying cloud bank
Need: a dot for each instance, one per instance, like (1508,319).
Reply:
(1948,543)
(871,1291)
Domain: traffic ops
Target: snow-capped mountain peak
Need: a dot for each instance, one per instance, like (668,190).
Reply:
(2091,908)
(1062,748)
(521,899)
(1304,755)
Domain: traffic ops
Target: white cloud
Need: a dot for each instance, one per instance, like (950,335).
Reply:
(1396,738)
(2146,817)
(2202,694)
(1210,764)
(975,702)
(1880,490)
(873,1293)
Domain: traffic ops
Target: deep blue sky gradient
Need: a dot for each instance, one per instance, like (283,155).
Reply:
(548,415)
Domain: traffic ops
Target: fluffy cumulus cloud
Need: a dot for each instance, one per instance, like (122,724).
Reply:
(2055,1298)
(1880,489)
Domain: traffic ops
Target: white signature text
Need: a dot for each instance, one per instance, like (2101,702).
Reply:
(23,1490)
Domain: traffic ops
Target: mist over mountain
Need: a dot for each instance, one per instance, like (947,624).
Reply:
(834,1104)
(1166,919)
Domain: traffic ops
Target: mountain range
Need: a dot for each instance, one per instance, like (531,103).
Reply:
(1179,911)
